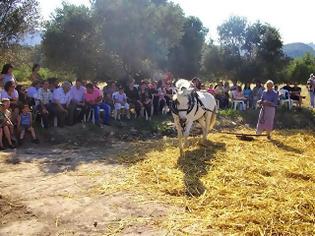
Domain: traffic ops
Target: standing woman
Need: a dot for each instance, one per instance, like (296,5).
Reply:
(268,105)
(7,74)
(35,75)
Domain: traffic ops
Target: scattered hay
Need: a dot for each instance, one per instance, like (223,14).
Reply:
(231,187)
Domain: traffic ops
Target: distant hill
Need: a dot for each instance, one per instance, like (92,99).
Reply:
(298,49)
(312,45)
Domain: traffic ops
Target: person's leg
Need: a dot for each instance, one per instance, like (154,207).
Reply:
(71,110)
(44,116)
(96,109)
(127,107)
(22,134)
(1,135)
(107,111)
(161,105)
(7,135)
(156,106)
(138,108)
(32,131)
(117,107)
(312,99)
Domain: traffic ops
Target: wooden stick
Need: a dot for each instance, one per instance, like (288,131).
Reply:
(240,134)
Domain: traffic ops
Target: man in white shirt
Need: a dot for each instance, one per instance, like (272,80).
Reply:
(45,103)
(76,101)
(32,92)
(61,100)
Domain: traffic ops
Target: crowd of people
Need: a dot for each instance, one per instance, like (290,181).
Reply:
(63,104)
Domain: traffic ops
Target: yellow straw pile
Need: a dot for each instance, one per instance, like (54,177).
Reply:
(231,187)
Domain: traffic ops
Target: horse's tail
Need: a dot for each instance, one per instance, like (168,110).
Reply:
(213,118)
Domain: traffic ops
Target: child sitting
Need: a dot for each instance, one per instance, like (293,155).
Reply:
(6,124)
(120,102)
(25,124)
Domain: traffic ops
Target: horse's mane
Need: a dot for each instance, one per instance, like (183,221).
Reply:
(182,83)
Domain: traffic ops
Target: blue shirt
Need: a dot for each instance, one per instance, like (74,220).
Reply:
(247,92)
(270,96)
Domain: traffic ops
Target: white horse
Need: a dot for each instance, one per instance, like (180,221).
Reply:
(188,106)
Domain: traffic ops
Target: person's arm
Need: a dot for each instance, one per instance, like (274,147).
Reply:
(18,122)
(31,117)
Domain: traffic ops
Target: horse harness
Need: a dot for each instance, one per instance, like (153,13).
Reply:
(193,98)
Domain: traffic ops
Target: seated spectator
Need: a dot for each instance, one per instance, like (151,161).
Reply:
(234,86)
(76,101)
(108,92)
(25,124)
(227,89)
(22,94)
(132,94)
(10,92)
(32,92)
(161,93)
(61,99)
(247,91)
(45,103)
(256,94)
(287,87)
(295,94)
(7,74)
(153,90)
(196,83)
(168,93)
(145,98)
(93,100)
(221,95)
(6,125)
(120,103)
(53,84)
(211,89)
(237,94)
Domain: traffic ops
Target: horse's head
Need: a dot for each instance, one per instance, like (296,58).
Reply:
(183,101)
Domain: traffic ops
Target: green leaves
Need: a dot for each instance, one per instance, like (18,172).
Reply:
(17,17)
(247,52)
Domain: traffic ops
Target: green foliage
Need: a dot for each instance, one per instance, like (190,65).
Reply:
(300,69)
(17,17)
(184,59)
(247,52)
(229,113)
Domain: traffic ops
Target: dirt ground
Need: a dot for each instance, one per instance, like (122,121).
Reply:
(49,191)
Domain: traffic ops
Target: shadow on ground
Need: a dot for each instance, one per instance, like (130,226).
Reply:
(195,164)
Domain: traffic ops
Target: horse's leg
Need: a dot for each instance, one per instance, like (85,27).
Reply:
(187,131)
(207,125)
(202,122)
(179,135)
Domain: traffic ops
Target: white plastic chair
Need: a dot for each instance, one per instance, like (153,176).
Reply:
(235,102)
(285,98)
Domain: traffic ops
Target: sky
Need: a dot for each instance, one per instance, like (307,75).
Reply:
(295,20)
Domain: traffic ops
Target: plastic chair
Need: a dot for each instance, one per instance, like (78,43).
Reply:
(284,96)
